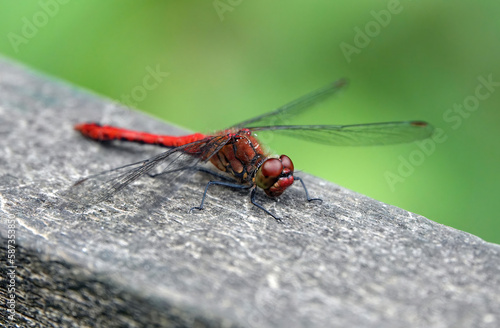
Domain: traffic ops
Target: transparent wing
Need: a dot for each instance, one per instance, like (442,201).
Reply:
(356,135)
(99,187)
(284,113)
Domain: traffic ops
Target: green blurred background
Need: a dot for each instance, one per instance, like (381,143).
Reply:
(230,60)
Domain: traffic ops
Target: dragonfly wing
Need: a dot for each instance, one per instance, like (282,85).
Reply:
(102,186)
(212,147)
(99,187)
(284,113)
(356,135)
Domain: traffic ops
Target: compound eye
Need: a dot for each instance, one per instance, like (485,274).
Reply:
(272,168)
(287,162)
(268,173)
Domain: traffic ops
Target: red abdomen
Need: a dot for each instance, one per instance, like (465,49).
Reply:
(106,133)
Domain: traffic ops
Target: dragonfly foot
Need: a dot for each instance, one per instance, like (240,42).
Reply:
(309,199)
(277,219)
(199,208)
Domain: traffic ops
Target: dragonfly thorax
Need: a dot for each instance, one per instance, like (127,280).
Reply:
(275,175)
(241,156)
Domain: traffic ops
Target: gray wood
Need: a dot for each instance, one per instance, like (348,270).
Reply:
(140,259)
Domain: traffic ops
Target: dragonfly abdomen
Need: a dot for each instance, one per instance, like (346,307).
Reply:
(99,132)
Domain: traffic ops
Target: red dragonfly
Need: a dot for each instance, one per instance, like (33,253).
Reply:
(237,152)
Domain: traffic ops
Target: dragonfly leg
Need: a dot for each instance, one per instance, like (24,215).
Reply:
(309,199)
(220,183)
(252,199)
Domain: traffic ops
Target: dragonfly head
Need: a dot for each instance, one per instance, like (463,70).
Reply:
(275,175)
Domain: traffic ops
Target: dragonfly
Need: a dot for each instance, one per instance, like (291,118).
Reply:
(237,154)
